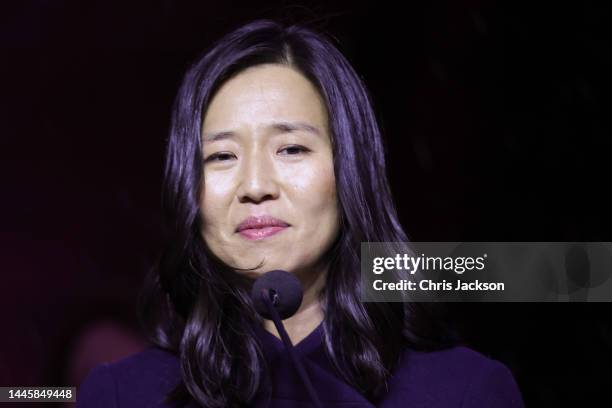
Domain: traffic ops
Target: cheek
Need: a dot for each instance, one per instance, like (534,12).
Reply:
(317,190)
(215,199)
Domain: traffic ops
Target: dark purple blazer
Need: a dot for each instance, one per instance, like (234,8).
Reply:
(455,377)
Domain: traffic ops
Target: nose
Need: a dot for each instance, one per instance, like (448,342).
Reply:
(257,180)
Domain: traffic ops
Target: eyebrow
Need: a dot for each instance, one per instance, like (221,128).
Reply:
(280,126)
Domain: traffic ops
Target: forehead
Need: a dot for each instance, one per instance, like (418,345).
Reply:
(265,93)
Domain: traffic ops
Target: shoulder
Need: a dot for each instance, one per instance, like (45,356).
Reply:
(458,374)
(141,379)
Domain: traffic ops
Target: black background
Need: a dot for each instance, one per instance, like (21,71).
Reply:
(495,117)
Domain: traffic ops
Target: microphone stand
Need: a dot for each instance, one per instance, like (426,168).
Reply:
(265,294)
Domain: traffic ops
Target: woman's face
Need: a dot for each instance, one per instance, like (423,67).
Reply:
(267,153)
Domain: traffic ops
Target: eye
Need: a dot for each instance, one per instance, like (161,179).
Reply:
(295,149)
(221,156)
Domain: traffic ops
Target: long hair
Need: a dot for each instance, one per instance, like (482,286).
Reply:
(199,309)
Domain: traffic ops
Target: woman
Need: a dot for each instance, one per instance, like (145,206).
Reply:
(275,161)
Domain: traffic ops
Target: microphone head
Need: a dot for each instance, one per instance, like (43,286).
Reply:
(285,291)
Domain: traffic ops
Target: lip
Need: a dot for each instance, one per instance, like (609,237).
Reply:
(260,233)
(261,226)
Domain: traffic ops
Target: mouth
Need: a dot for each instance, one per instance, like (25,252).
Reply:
(260,227)
(260,233)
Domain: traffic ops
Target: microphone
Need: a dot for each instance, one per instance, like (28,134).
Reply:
(277,295)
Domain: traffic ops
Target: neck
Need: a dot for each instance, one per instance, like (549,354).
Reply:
(309,315)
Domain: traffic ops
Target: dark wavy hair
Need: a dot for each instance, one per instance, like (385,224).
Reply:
(200,310)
